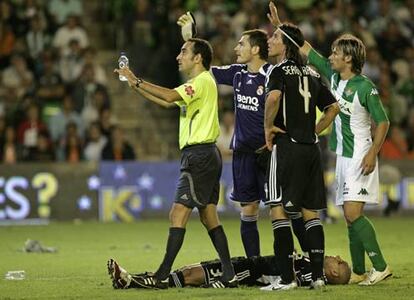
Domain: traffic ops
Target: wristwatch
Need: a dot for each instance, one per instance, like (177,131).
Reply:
(139,81)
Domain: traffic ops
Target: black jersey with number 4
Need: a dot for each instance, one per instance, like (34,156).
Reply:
(301,92)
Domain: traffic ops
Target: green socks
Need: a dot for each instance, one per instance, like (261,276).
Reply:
(356,248)
(362,232)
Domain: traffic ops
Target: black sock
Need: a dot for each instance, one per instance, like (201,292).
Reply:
(283,248)
(298,227)
(219,239)
(175,241)
(316,239)
(250,235)
(176,279)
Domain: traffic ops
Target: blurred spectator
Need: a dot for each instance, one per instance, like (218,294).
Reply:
(223,43)
(395,145)
(71,145)
(322,39)
(9,17)
(50,88)
(117,148)
(28,130)
(89,58)
(70,31)
(43,152)
(37,39)
(27,11)
(61,10)
(17,78)
(405,83)
(391,42)
(395,105)
(71,63)
(360,31)
(95,143)
(204,17)
(58,123)
(7,40)
(372,66)
(226,135)
(83,91)
(106,121)
(10,150)
(241,18)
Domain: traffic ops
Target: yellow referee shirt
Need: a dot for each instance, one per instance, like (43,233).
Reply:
(199,122)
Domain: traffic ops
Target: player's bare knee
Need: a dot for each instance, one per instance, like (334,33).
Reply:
(277,212)
(250,209)
(309,214)
(352,211)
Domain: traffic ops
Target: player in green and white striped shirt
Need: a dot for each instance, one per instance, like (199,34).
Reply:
(356,165)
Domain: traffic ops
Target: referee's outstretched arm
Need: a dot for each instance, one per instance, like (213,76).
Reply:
(159,95)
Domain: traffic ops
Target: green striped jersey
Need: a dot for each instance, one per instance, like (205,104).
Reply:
(359,101)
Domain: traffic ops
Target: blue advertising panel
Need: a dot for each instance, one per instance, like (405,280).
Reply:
(127,190)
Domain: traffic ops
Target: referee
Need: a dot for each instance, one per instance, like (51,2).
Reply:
(201,164)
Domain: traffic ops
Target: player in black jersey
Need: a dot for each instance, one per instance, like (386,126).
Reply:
(294,91)
(252,271)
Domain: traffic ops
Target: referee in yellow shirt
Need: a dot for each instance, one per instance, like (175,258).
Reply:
(201,163)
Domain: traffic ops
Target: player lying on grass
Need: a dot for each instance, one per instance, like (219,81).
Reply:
(253,271)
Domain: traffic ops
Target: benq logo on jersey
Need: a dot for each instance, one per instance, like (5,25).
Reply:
(374,91)
(247,102)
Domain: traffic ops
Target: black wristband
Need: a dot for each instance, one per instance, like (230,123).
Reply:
(139,81)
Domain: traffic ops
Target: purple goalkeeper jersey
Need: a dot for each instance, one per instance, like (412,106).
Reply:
(249,104)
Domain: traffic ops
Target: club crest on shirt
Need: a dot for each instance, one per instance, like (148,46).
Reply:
(189,90)
(348,92)
(260,90)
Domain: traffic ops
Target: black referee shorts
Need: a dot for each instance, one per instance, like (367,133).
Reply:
(299,175)
(199,182)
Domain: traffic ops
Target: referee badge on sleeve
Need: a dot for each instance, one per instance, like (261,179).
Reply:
(189,90)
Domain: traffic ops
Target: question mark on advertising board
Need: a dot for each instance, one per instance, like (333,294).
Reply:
(47,186)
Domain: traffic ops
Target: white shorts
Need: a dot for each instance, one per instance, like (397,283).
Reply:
(351,185)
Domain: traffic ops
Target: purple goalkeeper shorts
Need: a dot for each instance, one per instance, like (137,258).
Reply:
(248,178)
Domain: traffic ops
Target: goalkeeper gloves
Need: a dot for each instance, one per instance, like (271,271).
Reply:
(188,26)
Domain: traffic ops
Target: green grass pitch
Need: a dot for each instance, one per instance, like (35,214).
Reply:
(78,269)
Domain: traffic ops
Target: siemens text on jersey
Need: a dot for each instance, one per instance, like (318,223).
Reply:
(247,102)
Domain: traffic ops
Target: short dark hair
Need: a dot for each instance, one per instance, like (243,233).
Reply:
(352,46)
(203,48)
(292,51)
(258,38)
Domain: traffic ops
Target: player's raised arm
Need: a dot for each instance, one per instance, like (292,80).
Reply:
(273,17)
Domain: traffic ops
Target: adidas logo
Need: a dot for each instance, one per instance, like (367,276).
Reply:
(372,254)
(249,81)
(363,192)
(289,204)
(184,197)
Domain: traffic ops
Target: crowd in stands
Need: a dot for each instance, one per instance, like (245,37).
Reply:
(54,103)
(385,26)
